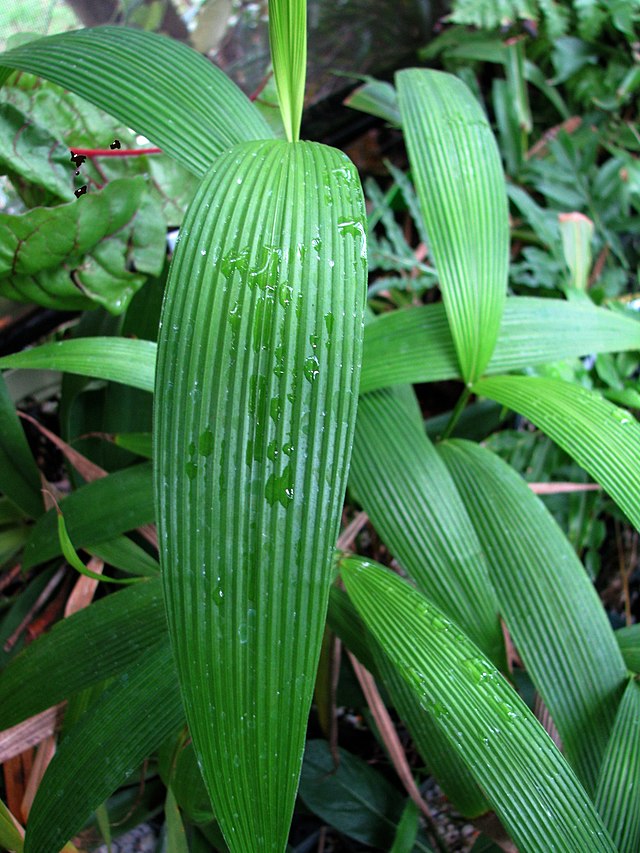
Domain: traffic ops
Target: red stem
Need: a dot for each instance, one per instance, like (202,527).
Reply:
(117,152)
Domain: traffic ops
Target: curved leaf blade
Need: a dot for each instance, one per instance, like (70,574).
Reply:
(288,41)
(458,174)
(527,781)
(156,85)
(601,437)
(254,415)
(549,605)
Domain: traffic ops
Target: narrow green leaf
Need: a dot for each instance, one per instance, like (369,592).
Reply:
(415,345)
(553,613)
(96,513)
(407,492)
(527,781)
(140,443)
(288,41)
(256,388)
(629,644)
(602,438)
(619,781)
(377,98)
(136,713)
(10,838)
(407,829)
(132,362)
(80,651)
(458,174)
(19,477)
(123,553)
(175,834)
(156,85)
(71,556)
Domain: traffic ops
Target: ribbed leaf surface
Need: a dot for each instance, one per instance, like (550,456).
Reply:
(601,437)
(617,797)
(407,492)
(258,368)
(137,712)
(458,174)
(95,513)
(155,85)
(551,609)
(527,781)
(81,650)
(288,41)
(415,345)
(130,361)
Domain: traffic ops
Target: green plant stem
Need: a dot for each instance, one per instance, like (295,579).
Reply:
(455,414)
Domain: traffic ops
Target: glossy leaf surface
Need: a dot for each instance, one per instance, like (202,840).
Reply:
(258,365)
(527,781)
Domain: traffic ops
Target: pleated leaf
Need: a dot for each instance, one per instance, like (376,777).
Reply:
(256,386)
(601,437)
(549,605)
(531,787)
(80,651)
(288,41)
(131,719)
(458,175)
(129,361)
(617,797)
(407,492)
(95,513)
(415,345)
(155,85)
(19,477)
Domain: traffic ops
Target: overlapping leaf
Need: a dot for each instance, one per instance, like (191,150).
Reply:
(601,437)
(458,174)
(531,787)
(19,477)
(550,607)
(158,86)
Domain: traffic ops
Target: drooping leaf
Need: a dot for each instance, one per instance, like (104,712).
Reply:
(96,513)
(458,174)
(601,437)
(134,715)
(156,85)
(407,492)
(552,612)
(415,345)
(527,781)
(619,781)
(132,362)
(255,397)
(19,477)
(75,256)
(80,651)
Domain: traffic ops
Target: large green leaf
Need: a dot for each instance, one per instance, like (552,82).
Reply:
(407,492)
(619,781)
(75,256)
(132,362)
(90,646)
(549,605)
(135,714)
(95,513)
(415,345)
(458,175)
(19,477)
(601,437)
(256,387)
(156,85)
(527,781)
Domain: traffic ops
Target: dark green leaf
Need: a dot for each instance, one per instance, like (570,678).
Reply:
(19,477)
(629,644)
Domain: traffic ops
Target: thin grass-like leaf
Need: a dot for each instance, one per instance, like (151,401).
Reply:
(531,787)
(80,651)
(155,85)
(458,175)
(19,477)
(131,362)
(136,713)
(288,41)
(601,437)
(617,797)
(415,345)
(258,365)
(549,605)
